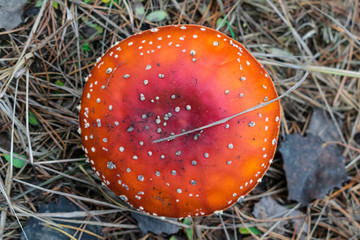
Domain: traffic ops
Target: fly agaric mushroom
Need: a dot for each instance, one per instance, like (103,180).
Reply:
(170,80)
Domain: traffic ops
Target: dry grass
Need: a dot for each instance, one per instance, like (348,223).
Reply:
(322,37)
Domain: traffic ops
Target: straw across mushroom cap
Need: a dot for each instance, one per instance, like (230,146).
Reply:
(170,80)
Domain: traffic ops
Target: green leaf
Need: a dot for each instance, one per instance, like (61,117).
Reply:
(254,230)
(59,83)
(280,52)
(17,162)
(56,5)
(33,120)
(86,47)
(99,29)
(219,21)
(189,231)
(87,1)
(39,3)
(139,10)
(106,1)
(156,16)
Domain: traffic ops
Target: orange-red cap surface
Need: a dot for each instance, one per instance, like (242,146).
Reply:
(166,81)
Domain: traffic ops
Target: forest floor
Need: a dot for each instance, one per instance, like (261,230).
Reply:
(43,63)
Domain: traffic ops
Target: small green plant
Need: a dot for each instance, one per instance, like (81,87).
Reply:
(33,119)
(254,230)
(156,16)
(40,3)
(17,160)
(189,231)
(86,47)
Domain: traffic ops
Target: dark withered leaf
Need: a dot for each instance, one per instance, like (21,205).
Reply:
(312,167)
(10,13)
(323,126)
(35,229)
(154,225)
(267,207)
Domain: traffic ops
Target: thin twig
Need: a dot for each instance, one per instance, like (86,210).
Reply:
(222,121)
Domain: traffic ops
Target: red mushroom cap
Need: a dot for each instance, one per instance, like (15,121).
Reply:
(165,81)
